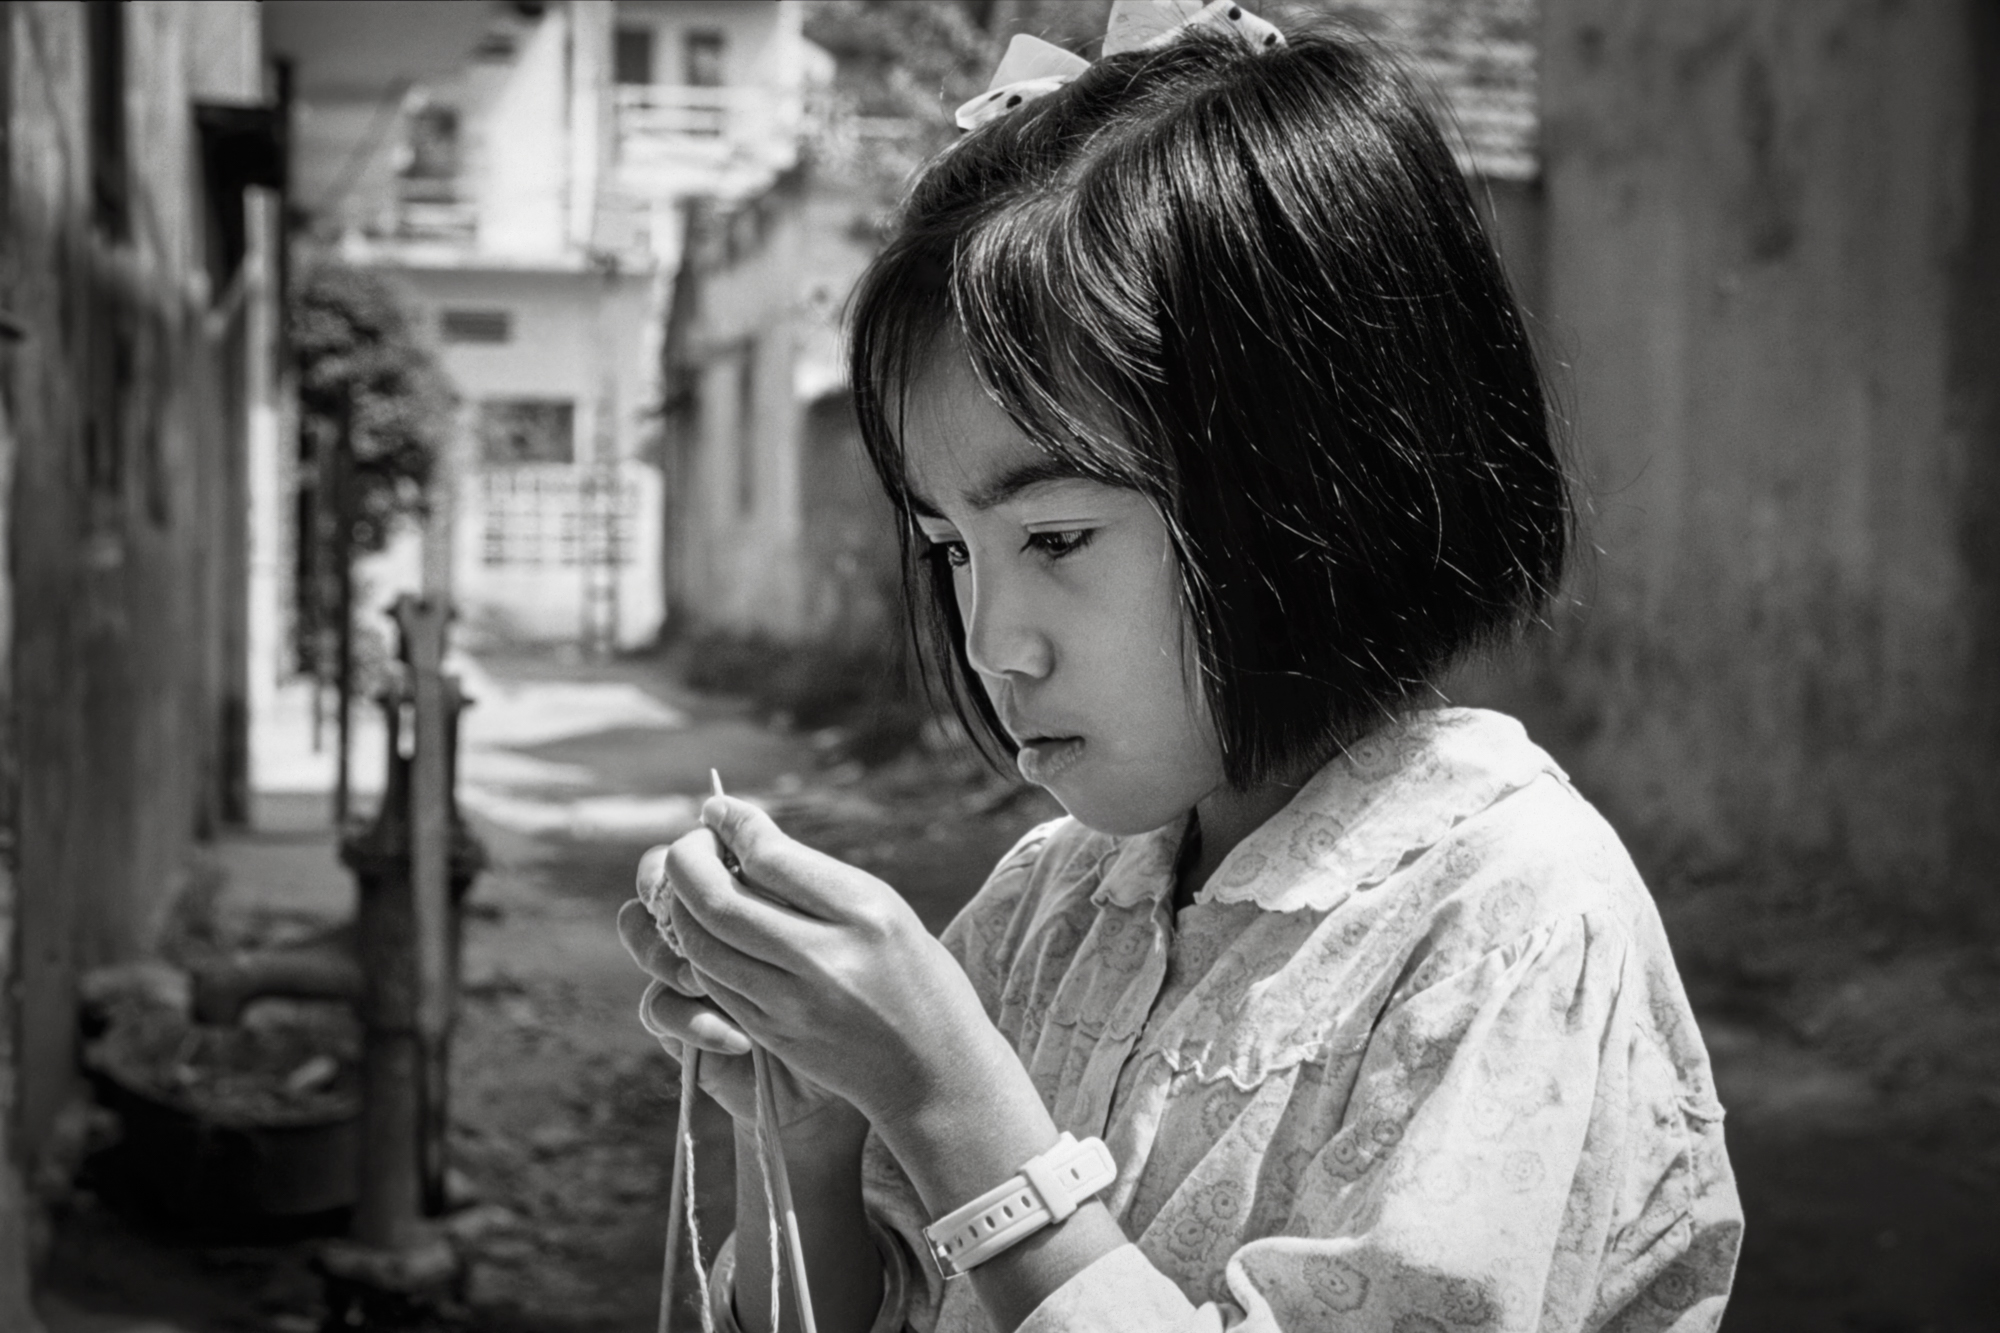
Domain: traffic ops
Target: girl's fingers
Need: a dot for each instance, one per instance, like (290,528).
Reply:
(641,938)
(779,865)
(725,1074)
(652,872)
(640,935)
(807,885)
(745,919)
(677,1018)
(722,969)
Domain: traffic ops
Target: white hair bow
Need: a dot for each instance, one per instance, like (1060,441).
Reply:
(1034,68)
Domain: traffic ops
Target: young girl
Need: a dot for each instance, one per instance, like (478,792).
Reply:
(1218,439)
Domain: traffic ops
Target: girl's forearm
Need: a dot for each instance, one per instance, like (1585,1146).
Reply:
(982,1122)
(841,1263)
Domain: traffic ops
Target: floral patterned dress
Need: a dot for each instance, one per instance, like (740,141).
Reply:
(1415,1060)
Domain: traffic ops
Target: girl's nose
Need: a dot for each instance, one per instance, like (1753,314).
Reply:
(1001,636)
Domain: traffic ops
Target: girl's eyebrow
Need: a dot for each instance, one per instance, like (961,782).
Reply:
(1004,486)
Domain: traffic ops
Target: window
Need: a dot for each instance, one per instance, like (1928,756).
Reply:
(632,55)
(556,516)
(527,430)
(476,326)
(701,58)
(433,144)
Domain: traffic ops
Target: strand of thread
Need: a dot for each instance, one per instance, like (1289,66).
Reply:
(684,1143)
(765,1147)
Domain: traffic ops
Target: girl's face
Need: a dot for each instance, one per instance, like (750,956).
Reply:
(1069,591)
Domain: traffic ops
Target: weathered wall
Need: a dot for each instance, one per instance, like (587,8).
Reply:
(1770,268)
(852,581)
(125,401)
(16,1309)
(768,514)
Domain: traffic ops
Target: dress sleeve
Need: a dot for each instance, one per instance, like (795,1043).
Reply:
(979,937)
(1521,1152)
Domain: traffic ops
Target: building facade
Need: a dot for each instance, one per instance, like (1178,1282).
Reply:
(527,200)
(777,527)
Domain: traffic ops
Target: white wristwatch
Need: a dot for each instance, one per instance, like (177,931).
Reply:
(1046,1191)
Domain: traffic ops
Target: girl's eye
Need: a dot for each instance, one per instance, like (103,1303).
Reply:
(1056,545)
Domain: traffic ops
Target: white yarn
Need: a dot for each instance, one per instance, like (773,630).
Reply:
(766,1116)
(684,1143)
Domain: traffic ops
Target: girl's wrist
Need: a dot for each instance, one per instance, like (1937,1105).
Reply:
(944,1057)
(982,1118)
(835,1130)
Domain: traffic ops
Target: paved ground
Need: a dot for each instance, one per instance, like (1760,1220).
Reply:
(1860,1063)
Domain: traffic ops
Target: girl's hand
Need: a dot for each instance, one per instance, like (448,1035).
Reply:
(673,1012)
(822,964)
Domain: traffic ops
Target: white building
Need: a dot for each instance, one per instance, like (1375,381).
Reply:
(527,199)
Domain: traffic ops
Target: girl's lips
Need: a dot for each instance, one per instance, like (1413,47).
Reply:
(1042,758)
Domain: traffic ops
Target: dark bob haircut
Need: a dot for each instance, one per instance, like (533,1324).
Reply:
(1254,287)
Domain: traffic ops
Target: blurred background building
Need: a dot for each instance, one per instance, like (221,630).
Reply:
(527,198)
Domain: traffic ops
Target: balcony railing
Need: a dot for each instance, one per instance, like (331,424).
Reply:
(433,209)
(670,111)
(676,136)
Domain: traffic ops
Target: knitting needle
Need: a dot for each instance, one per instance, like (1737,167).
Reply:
(769,1143)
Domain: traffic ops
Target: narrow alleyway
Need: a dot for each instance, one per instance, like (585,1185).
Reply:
(1856,1064)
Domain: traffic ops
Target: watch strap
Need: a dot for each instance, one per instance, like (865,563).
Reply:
(1047,1190)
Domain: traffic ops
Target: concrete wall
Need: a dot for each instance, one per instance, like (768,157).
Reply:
(852,582)
(519,149)
(1770,269)
(355,63)
(125,426)
(768,520)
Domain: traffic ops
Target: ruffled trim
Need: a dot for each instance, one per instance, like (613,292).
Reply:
(1195,1058)
(1397,792)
